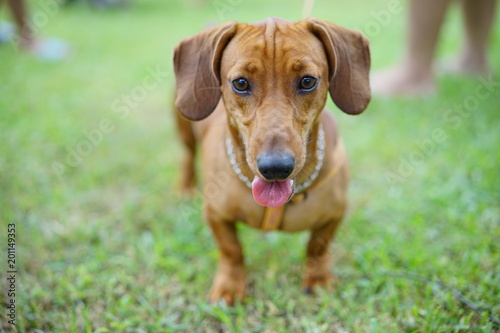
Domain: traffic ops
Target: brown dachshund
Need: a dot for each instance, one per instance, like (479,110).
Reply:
(268,140)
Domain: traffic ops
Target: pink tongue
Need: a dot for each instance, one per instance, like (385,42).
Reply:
(271,194)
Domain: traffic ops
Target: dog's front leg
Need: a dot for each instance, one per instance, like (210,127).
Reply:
(317,265)
(230,280)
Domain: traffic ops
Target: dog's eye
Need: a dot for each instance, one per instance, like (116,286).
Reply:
(241,85)
(308,83)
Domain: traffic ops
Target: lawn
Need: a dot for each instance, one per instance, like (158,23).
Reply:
(89,161)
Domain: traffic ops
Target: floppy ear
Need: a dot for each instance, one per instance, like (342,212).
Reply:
(348,56)
(197,70)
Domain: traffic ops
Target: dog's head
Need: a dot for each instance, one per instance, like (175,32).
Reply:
(274,78)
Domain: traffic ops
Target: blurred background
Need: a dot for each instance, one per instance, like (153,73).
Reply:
(89,161)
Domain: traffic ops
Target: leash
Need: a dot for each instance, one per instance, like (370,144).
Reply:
(307,9)
(273,216)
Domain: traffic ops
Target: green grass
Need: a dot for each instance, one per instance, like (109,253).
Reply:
(107,246)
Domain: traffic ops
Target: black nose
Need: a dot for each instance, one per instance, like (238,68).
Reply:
(275,166)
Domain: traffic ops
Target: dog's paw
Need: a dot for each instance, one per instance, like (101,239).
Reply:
(312,281)
(228,287)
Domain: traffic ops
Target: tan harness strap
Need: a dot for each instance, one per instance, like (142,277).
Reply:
(273,217)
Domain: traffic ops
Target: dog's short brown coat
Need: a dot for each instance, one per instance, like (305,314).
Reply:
(272,56)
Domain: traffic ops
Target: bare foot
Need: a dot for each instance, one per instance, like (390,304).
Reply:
(467,65)
(402,81)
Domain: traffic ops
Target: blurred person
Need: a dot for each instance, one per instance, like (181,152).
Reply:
(415,75)
(50,49)
(18,10)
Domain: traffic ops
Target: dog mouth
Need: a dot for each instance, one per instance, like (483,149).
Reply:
(272,193)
